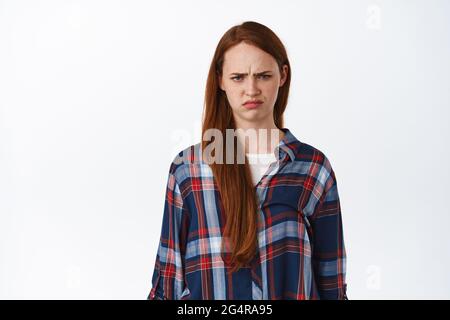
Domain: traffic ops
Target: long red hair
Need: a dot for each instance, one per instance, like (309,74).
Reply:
(237,192)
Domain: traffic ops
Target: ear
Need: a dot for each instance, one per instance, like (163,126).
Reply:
(284,74)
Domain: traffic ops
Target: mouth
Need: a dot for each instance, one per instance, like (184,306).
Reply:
(252,104)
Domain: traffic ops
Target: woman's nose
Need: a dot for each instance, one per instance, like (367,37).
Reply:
(252,87)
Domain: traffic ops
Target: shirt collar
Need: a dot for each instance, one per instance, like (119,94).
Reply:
(288,145)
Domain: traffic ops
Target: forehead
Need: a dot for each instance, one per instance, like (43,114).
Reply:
(244,56)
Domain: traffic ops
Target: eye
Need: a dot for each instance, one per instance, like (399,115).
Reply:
(236,78)
(265,76)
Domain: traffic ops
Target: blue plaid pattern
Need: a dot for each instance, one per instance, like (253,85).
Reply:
(301,252)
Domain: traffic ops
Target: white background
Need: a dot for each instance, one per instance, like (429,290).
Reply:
(97,97)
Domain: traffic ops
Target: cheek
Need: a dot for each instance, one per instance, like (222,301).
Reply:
(271,90)
(234,92)
(234,97)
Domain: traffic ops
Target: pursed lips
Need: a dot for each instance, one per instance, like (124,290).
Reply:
(253,102)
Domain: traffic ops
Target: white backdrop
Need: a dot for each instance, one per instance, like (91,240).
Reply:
(97,97)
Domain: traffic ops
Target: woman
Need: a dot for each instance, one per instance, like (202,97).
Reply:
(269,229)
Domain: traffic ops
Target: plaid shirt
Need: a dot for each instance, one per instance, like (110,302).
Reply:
(301,244)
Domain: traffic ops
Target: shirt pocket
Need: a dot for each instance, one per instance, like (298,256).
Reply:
(288,221)
(284,200)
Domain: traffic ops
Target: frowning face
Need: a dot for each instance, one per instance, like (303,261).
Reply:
(251,79)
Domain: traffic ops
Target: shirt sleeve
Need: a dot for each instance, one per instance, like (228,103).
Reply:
(168,281)
(329,255)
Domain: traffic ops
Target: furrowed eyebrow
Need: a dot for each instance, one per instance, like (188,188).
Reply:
(244,74)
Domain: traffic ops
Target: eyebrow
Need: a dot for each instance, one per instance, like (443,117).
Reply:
(244,74)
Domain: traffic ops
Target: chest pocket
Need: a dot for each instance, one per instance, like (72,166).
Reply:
(287,198)
(285,203)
